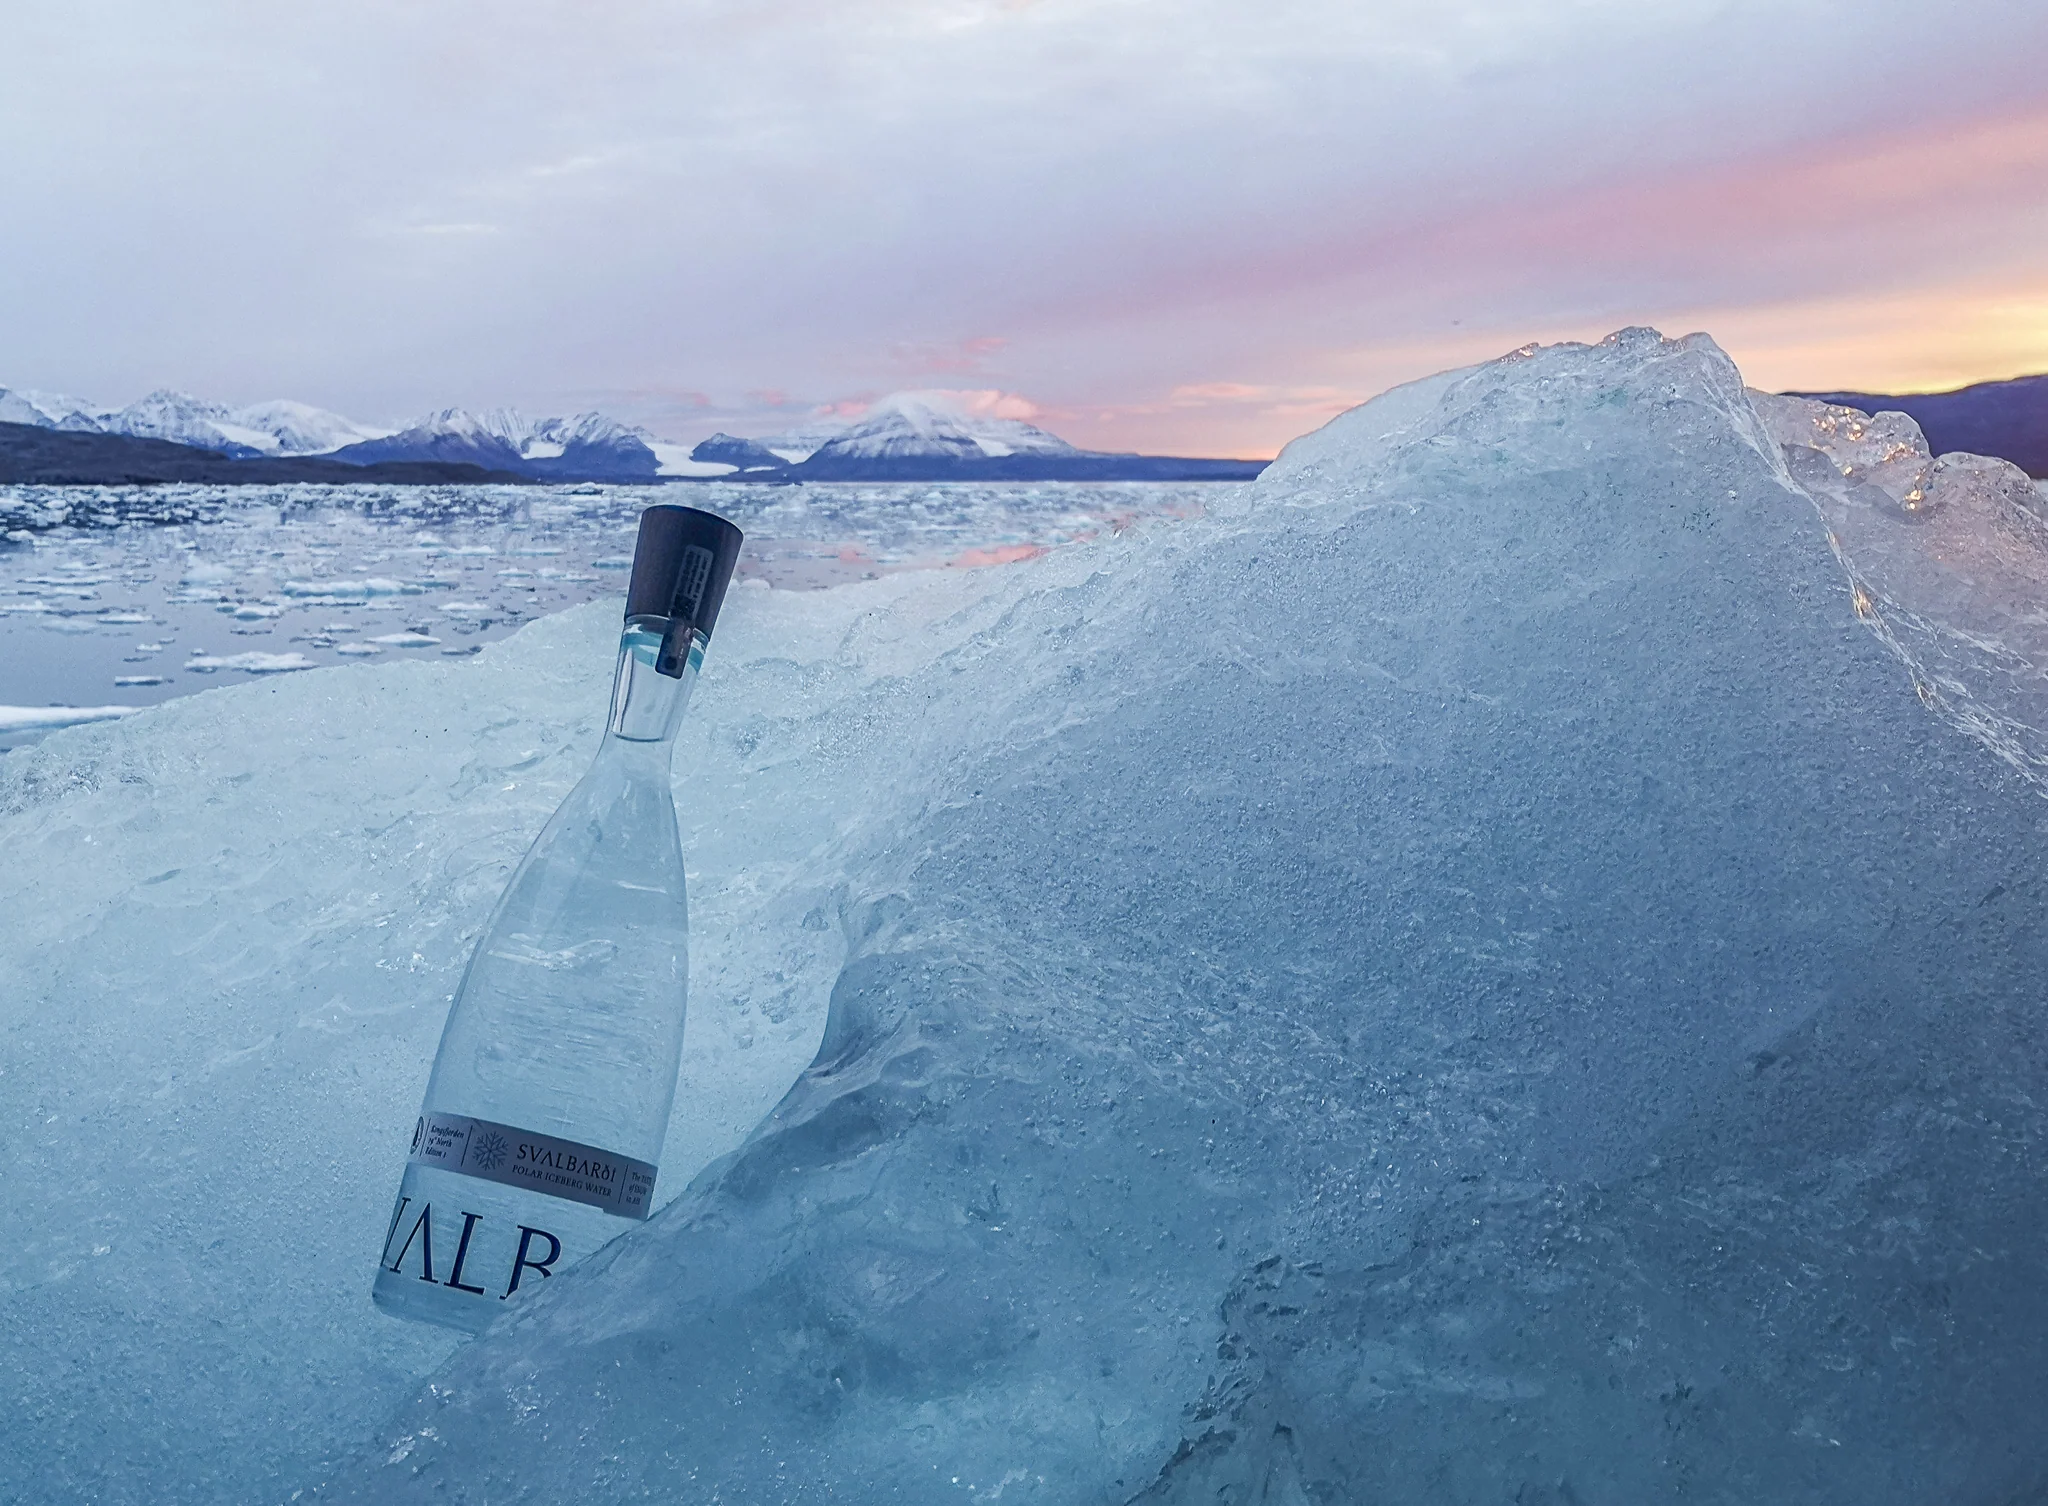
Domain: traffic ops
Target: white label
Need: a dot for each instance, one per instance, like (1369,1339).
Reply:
(539,1163)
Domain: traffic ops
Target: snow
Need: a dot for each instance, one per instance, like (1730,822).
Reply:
(675,461)
(296,428)
(933,422)
(175,416)
(46,410)
(285,427)
(504,438)
(936,423)
(280,427)
(1468,973)
(797,444)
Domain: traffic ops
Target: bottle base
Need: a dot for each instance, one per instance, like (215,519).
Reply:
(431,1307)
(460,1251)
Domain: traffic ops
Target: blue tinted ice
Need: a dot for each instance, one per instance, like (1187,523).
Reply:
(1470,975)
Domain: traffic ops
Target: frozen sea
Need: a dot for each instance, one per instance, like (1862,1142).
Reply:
(126,596)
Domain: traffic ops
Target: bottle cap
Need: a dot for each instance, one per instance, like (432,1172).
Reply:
(681,566)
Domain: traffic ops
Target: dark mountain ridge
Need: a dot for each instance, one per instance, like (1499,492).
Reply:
(32,455)
(587,447)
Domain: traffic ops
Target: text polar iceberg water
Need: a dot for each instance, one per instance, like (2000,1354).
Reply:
(1488,968)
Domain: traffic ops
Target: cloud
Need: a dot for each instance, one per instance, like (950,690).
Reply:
(385,206)
(970,354)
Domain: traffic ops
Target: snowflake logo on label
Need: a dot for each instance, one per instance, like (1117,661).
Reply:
(487,1151)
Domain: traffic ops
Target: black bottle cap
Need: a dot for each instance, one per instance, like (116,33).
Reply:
(681,566)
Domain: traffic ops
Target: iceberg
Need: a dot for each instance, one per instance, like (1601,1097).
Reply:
(1475,971)
(1958,595)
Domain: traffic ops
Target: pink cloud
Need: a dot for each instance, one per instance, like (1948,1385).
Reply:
(967,355)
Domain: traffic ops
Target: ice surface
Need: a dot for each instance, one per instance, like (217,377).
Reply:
(230,943)
(1469,975)
(1950,562)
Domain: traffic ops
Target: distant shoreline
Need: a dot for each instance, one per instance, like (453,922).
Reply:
(35,456)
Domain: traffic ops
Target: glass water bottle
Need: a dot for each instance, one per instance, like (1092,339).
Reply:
(551,1091)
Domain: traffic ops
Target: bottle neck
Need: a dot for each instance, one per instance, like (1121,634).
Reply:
(647,705)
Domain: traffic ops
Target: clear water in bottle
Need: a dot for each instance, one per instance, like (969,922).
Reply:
(551,1091)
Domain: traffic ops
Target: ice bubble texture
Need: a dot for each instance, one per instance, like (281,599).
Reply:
(1470,975)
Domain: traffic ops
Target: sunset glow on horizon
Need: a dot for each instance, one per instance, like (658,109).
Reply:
(1192,229)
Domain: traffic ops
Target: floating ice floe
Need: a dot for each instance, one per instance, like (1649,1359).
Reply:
(36,718)
(251,663)
(341,590)
(406,640)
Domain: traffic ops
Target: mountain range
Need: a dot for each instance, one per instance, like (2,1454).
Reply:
(2005,419)
(924,436)
(274,428)
(45,455)
(909,436)
(588,447)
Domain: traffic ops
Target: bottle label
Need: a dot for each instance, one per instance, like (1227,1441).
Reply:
(539,1163)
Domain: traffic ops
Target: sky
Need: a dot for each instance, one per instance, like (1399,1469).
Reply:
(1179,226)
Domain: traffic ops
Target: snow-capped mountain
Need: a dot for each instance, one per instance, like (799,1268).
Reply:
(491,438)
(798,444)
(184,419)
(907,436)
(47,410)
(938,436)
(910,424)
(740,454)
(588,446)
(281,427)
(938,425)
(301,428)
